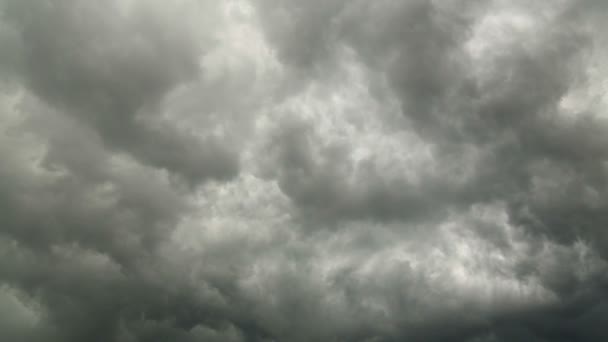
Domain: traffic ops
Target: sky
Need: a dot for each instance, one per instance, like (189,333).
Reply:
(288,170)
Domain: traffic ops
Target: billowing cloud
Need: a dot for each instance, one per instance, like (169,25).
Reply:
(282,170)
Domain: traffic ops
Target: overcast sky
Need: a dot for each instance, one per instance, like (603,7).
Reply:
(303,170)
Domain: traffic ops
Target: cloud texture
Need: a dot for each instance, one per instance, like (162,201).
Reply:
(286,170)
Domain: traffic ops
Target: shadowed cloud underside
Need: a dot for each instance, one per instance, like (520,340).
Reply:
(286,170)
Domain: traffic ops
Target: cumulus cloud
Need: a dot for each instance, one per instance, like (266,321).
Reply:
(280,170)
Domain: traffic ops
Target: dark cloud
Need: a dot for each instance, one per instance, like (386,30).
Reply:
(272,170)
(109,68)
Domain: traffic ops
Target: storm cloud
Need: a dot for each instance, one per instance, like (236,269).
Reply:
(285,170)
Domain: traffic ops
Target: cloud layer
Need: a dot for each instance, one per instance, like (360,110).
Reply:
(283,170)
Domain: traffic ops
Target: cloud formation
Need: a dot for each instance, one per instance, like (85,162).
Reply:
(280,170)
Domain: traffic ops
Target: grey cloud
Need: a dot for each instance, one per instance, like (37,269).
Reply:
(82,219)
(301,32)
(513,116)
(110,70)
(546,162)
(364,171)
(319,184)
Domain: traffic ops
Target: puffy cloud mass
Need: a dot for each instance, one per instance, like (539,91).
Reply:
(286,170)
